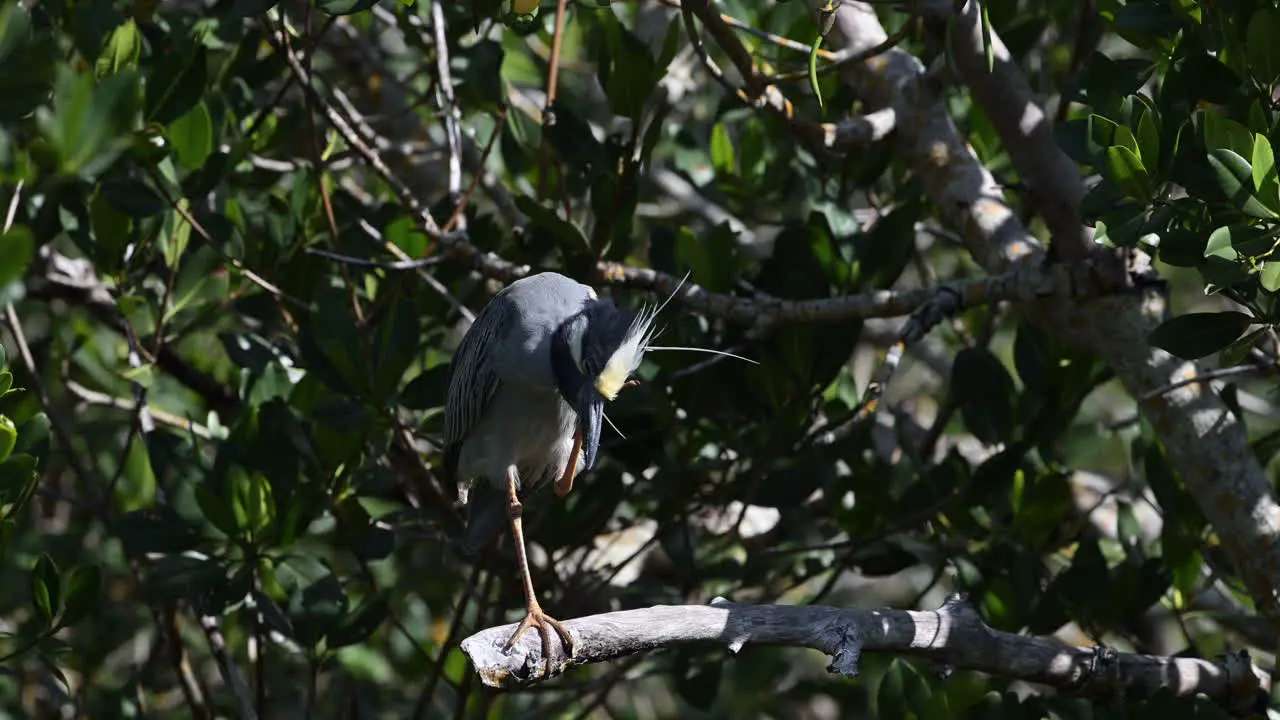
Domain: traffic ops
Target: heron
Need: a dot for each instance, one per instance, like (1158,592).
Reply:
(525,403)
(524,406)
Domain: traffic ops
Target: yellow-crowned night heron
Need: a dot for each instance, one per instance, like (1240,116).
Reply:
(526,398)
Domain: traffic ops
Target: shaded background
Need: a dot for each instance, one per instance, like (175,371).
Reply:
(234,438)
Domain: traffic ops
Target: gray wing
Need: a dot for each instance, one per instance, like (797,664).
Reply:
(473,379)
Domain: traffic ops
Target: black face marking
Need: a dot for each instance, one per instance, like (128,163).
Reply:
(569,379)
(603,327)
(606,326)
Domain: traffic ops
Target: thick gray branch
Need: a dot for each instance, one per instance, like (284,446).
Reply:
(953,635)
(1203,438)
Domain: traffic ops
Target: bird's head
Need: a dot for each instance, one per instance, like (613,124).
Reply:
(593,354)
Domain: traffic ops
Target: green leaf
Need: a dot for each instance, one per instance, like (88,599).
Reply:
(46,589)
(216,506)
(1149,141)
(722,150)
(33,436)
(1124,138)
(84,583)
(1270,275)
(272,615)
(8,436)
(891,698)
(112,233)
(1196,335)
(17,248)
(7,528)
(1265,183)
(566,234)
(18,481)
(138,481)
(1238,351)
(883,558)
(1105,81)
(1221,132)
(1262,45)
(1144,19)
(345,7)
(122,49)
(983,390)
(627,70)
(317,609)
(176,85)
(89,124)
(154,530)
(1264,161)
(1233,242)
(1126,171)
(192,137)
(427,390)
(886,250)
(143,374)
(183,577)
(697,681)
(1128,529)
(249,8)
(937,707)
(37,55)
(133,197)
(50,665)
(361,623)
(1101,135)
(395,345)
(1234,177)
(1208,78)
(571,137)
(254,501)
(174,243)
(15,28)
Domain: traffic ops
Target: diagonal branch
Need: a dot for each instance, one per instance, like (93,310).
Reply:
(1202,436)
(928,306)
(762,92)
(1026,282)
(953,635)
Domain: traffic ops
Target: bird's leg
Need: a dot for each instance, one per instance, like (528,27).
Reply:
(565,483)
(534,615)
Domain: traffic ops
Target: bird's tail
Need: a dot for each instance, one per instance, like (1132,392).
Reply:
(486,518)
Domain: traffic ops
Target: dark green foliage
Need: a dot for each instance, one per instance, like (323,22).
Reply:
(165,179)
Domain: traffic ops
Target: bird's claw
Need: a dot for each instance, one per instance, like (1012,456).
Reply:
(545,623)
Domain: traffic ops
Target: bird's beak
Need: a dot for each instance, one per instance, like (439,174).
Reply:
(590,416)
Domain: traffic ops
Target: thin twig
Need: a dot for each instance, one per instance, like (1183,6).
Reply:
(1205,376)
(848,56)
(448,105)
(204,235)
(230,675)
(459,213)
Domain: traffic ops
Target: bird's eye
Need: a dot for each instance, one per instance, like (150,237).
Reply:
(577,333)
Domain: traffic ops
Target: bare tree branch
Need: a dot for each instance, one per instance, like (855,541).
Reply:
(1025,283)
(953,635)
(1202,436)
(927,306)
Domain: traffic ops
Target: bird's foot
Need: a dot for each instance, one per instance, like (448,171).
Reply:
(545,624)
